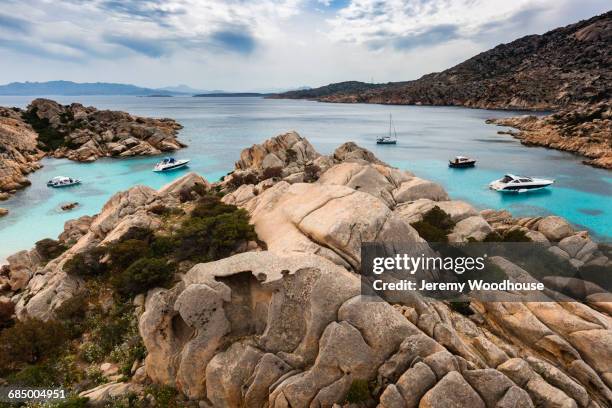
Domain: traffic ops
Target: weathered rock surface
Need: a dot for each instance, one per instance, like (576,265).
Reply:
(19,154)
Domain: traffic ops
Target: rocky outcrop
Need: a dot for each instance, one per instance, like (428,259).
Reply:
(85,134)
(19,154)
(584,130)
(76,132)
(38,288)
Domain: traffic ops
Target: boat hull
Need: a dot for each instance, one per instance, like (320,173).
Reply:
(462,165)
(171,168)
(384,142)
(519,189)
(63,185)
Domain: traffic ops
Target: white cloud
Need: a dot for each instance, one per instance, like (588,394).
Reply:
(405,23)
(258,44)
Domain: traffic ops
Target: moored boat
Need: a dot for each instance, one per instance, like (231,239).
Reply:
(169,164)
(461,161)
(519,184)
(391,138)
(62,181)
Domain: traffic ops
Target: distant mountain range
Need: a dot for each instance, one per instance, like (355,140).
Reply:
(74,88)
(107,88)
(563,67)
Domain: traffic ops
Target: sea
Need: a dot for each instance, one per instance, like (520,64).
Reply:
(218,128)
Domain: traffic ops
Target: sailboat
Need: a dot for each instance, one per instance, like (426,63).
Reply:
(391,138)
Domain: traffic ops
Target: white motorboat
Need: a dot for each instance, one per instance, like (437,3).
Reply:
(519,184)
(391,138)
(62,181)
(170,163)
(461,161)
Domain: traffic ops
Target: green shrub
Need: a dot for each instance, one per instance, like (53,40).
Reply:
(165,396)
(72,314)
(163,246)
(38,375)
(91,352)
(49,137)
(435,225)
(74,401)
(124,253)
(142,275)
(31,341)
(87,263)
(49,248)
(462,307)
(7,309)
(509,236)
(211,206)
(358,391)
(210,238)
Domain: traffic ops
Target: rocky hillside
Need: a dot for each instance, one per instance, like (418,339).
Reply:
(583,130)
(169,298)
(76,132)
(563,67)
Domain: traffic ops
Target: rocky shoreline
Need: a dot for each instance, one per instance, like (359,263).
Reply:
(278,321)
(586,131)
(76,132)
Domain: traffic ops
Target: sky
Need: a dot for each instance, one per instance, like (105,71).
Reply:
(261,45)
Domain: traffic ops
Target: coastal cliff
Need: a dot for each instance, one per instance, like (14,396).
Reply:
(566,69)
(586,131)
(245,293)
(47,128)
(563,67)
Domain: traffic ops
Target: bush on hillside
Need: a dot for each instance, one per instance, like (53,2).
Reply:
(435,225)
(142,275)
(49,138)
(214,237)
(359,391)
(122,254)
(30,341)
(87,263)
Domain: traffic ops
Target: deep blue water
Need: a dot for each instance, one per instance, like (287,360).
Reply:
(217,129)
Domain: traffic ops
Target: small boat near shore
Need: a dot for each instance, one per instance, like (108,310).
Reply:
(62,181)
(169,164)
(519,184)
(461,162)
(391,138)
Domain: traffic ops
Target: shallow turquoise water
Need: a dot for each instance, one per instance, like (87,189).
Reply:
(217,129)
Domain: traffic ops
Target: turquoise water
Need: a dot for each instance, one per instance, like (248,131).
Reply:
(217,129)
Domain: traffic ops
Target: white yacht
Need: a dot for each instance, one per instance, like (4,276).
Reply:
(391,138)
(519,184)
(62,181)
(170,163)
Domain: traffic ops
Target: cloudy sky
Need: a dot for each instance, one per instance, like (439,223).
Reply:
(261,44)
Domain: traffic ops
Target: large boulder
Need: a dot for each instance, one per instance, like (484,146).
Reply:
(330,220)
(555,228)
(417,188)
(474,227)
